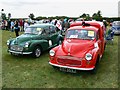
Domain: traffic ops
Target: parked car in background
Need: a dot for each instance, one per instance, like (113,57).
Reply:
(36,39)
(116,27)
(82,48)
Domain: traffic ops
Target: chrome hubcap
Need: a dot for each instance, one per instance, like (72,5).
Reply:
(37,52)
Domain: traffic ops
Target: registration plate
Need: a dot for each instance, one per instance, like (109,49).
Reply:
(67,70)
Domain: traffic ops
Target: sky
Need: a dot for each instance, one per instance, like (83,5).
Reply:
(71,8)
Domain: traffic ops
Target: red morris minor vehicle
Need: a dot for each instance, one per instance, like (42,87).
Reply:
(83,46)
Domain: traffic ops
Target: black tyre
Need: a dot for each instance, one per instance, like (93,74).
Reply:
(55,67)
(37,52)
(94,71)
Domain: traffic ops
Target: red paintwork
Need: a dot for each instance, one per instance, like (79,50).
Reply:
(71,53)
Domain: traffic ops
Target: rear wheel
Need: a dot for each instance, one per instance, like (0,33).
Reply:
(37,52)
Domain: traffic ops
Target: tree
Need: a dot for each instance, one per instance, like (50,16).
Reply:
(85,16)
(99,13)
(31,16)
(97,16)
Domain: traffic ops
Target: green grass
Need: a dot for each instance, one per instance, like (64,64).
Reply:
(27,72)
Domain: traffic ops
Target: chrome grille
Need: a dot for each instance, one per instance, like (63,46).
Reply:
(16,48)
(69,60)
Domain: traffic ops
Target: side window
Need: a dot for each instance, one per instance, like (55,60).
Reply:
(47,30)
(43,32)
(52,29)
(98,35)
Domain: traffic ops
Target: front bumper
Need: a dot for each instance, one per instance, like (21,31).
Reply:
(76,68)
(116,31)
(17,52)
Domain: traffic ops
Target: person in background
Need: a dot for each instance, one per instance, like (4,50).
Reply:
(62,24)
(9,24)
(67,25)
(25,25)
(12,26)
(21,25)
(105,23)
(3,25)
(16,28)
(6,24)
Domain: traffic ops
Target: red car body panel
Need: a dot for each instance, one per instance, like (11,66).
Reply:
(71,53)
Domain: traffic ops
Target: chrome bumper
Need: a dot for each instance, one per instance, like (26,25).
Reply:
(116,31)
(70,67)
(15,52)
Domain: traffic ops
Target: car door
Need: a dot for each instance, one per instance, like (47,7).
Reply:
(45,38)
(99,42)
(53,35)
(48,36)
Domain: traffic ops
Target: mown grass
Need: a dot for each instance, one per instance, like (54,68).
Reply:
(27,72)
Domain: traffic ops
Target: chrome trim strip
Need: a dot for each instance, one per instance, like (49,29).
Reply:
(71,67)
(19,52)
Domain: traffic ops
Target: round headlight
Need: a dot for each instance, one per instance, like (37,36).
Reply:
(26,44)
(88,56)
(52,52)
(8,42)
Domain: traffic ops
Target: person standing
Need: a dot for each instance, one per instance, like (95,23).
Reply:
(21,24)
(16,28)
(67,25)
(12,26)
(6,24)
(26,25)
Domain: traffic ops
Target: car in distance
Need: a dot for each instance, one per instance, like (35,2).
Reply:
(36,39)
(82,48)
(116,27)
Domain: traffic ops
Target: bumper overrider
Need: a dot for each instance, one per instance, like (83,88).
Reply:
(19,52)
(70,67)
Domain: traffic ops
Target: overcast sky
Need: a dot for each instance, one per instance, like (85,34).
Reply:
(73,8)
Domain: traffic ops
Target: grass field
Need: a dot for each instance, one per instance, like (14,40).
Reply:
(27,72)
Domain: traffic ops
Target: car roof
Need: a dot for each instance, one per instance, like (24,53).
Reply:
(96,24)
(41,25)
(84,27)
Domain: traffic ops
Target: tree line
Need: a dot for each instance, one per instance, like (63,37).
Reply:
(96,16)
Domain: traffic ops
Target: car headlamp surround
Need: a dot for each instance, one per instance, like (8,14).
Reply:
(52,52)
(27,44)
(88,56)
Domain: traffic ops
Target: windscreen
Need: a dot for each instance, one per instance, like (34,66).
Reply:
(116,23)
(81,34)
(33,30)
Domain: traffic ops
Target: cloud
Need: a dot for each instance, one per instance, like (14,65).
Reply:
(21,3)
(22,8)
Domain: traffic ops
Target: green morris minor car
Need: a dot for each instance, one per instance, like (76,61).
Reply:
(36,39)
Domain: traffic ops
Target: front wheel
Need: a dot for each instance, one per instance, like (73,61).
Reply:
(94,71)
(37,52)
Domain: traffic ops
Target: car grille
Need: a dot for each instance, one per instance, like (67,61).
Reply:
(69,60)
(16,48)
